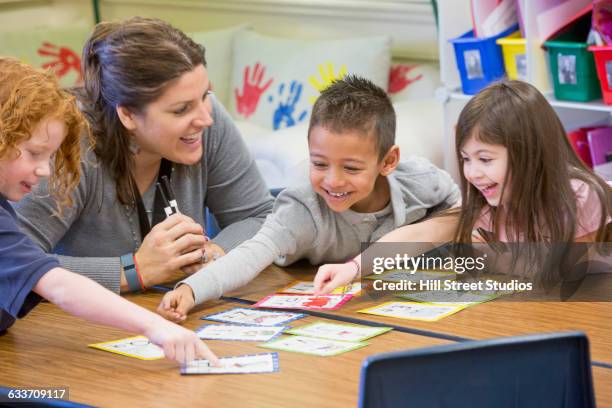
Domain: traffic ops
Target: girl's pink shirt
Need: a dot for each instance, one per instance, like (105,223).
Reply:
(588,212)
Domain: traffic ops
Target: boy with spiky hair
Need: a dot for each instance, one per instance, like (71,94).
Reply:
(358,192)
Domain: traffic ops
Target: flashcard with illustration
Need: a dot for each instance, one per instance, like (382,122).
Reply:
(413,310)
(240,333)
(307,288)
(397,275)
(338,331)
(312,345)
(138,347)
(254,317)
(457,297)
(248,364)
(323,302)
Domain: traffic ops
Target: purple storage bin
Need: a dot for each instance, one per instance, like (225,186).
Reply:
(600,143)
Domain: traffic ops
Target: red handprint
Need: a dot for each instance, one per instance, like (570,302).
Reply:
(398,79)
(65,59)
(251,90)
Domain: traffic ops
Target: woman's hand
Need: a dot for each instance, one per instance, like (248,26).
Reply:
(212,252)
(172,244)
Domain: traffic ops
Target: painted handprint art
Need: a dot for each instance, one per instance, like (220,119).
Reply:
(253,87)
(326,71)
(398,77)
(64,60)
(285,114)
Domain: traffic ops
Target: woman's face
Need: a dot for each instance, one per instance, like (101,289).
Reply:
(171,126)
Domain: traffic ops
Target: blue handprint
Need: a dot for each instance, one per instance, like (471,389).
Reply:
(284,113)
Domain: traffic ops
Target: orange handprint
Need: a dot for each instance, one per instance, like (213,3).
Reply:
(65,59)
(251,90)
(398,79)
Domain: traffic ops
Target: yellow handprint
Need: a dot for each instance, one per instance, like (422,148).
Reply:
(327,77)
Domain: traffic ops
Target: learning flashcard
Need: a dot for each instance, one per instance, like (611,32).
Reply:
(240,333)
(397,275)
(138,347)
(338,331)
(307,288)
(250,317)
(457,297)
(413,310)
(248,364)
(282,301)
(312,345)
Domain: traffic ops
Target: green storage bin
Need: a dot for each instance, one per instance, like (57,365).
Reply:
(572,68)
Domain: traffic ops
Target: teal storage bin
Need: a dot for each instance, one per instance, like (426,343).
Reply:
(573,71)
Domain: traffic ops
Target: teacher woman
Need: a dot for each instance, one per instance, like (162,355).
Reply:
(148,100)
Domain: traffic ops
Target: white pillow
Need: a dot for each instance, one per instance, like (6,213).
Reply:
(420,129)
(281,156)
(285,75)
(219,45)
(283,159)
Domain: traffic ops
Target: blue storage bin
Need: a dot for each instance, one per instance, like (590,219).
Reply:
(479,60)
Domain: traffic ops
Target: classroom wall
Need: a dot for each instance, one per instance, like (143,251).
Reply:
(410,23)
(23,14)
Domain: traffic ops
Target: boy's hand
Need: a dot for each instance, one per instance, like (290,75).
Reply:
(179,344)
(177,303)
(331,276)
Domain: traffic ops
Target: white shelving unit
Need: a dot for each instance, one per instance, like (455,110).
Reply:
(454,19)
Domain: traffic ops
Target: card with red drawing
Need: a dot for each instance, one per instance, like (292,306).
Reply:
(284,301)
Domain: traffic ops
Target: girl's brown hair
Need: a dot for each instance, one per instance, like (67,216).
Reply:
(541,162)
(27,96)
(130,64)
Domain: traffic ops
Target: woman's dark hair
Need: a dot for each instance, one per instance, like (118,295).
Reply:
(129,63)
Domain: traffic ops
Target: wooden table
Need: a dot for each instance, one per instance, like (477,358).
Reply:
(492,319)
(49,348)
(487,320)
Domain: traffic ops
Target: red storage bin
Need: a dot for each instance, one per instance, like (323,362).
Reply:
(603,61)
